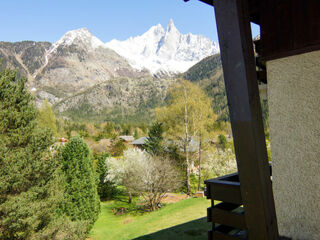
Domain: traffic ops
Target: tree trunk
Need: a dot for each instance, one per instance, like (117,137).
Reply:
(130,197)
(186,142)
(187,169)
(199,181)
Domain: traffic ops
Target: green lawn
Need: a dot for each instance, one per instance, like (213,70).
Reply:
(183,220)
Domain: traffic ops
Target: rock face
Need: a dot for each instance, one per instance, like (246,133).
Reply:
(164,50)
(27,56)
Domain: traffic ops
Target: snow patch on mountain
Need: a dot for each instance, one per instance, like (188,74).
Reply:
(164,50)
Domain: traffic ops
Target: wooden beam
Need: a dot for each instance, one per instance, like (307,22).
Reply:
(210,2)
(225,191)
(239,69)
(228,218)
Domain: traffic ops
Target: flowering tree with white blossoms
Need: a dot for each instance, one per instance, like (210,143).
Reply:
(219,163)
(149,176)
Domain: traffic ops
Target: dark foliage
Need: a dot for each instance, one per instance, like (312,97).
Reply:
(153,144)
(106,189)
(31,187)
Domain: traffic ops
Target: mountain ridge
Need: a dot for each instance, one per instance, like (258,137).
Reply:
(80,75)
(164,50)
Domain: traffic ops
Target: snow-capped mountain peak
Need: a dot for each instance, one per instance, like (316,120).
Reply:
(80,37)
(171,27)
(160,50)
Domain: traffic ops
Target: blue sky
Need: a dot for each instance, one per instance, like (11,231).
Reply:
(44,20)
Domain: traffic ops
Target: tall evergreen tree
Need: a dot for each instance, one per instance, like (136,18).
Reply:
(28,172)
(81,197)
(106,188)
(154,139)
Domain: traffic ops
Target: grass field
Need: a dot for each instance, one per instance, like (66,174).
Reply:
(182,220)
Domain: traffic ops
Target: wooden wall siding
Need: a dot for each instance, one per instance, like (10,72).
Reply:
(232,17)
(289,27)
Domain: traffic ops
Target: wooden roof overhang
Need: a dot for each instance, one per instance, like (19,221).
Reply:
(288,27)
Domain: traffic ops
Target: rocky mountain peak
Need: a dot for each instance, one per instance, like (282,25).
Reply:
(166,51)
(171,27)
(155,30)
(81,37)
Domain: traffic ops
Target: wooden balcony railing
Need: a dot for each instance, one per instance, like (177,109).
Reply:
(226,212)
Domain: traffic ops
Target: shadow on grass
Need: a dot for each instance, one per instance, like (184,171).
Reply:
(195,230)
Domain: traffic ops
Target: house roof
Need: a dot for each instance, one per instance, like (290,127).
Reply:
(140,141)
(127,138)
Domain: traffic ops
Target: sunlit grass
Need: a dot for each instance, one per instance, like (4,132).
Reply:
(135,224)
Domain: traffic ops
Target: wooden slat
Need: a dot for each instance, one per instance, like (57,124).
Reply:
(233,177)
(225,191)
(228,218)
(209,214)
(207,191)
(235,40)
(226,206)
(222,228)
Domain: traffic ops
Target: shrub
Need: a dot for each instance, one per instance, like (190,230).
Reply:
(222,140)
(117,148)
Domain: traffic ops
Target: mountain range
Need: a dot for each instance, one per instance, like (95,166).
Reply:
(165,51)
(81,76)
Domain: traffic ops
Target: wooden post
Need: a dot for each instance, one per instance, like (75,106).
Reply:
(246,119)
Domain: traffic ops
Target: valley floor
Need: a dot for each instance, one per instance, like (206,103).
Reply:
(185,220)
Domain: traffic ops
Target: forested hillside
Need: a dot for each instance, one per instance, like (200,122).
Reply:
(208,74)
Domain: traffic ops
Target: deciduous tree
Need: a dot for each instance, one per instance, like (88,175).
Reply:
(188,115)
(46,117)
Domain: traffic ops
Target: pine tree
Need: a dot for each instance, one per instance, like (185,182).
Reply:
(46,117)
(106,189)
(81,197)
(31,188)
(154,139)
(28,175)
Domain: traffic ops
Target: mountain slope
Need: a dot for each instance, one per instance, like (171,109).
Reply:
(121,99)
(208,74)
(84,79)
(164,51)
(25,56)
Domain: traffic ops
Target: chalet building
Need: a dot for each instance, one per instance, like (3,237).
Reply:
(126,139)
(254,206)
(139,142)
